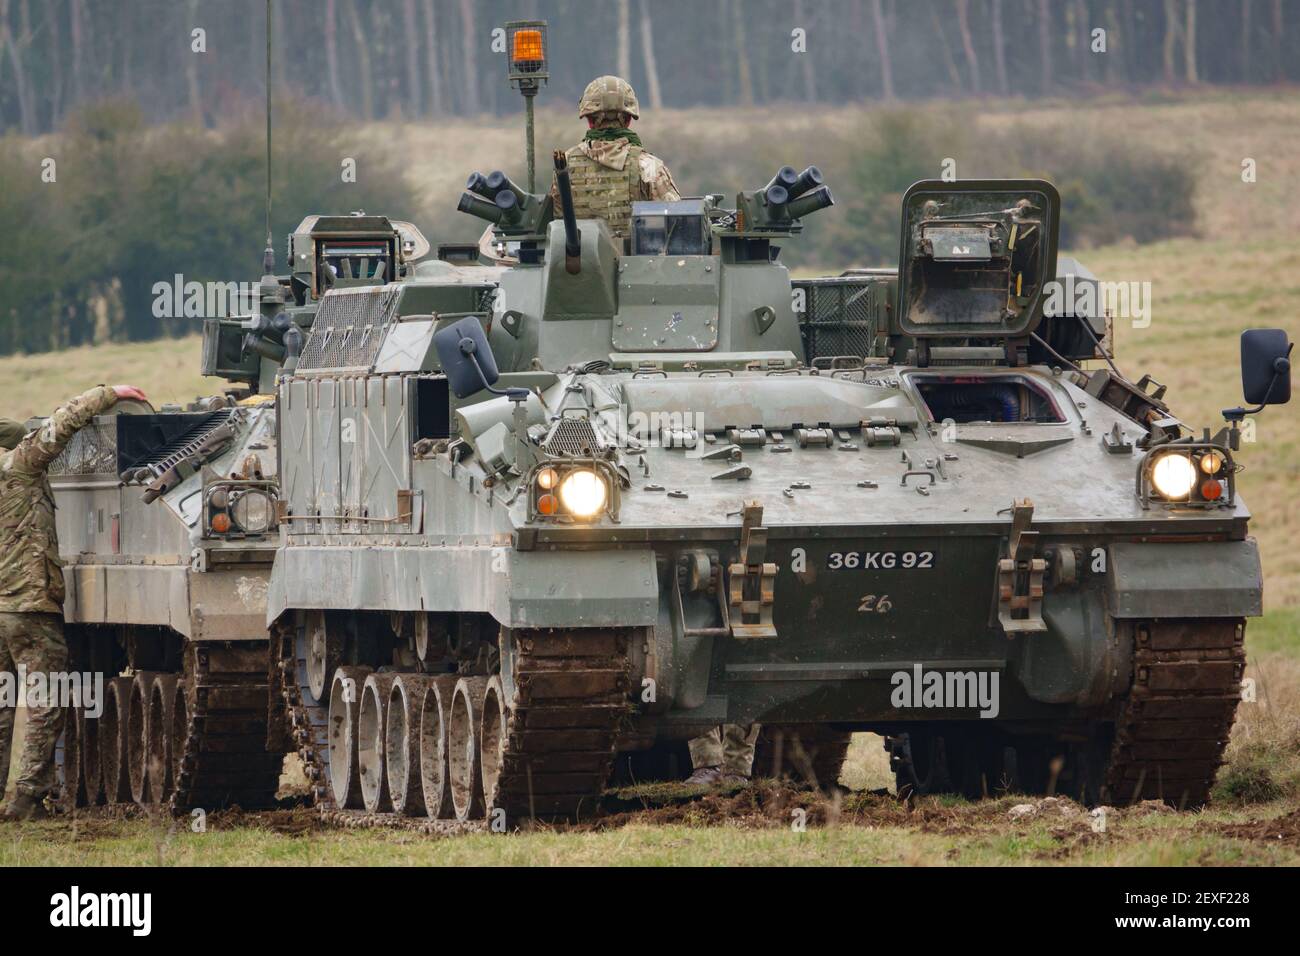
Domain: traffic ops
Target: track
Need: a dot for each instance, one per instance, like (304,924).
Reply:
(542,749)
(543,745)
(225,761)
(308,717)
(570,700)
(1171,734)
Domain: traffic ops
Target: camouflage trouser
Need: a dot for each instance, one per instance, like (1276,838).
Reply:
(34,642)
(730,747)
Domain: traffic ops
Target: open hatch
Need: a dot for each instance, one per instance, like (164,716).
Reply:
(975,258)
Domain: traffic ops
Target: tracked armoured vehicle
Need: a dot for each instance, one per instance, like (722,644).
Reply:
(661,487)
(168,530)
(532,524)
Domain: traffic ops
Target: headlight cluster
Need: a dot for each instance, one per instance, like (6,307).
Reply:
(1194,475)
(240,509)
(574,491)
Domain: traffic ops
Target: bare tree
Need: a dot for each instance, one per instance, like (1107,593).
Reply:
(807,60)
(1279,70)
(192,69)
(411,40)
(433,60)
(332,54)
(999,51)
(362,43)
(945,50)
(1170,44)
(1044,47)
(624,38)
(1189,43)
(74,20)
(22,89)
(1245,41)
(882,50)
(741,55)
(469,49)
(1114,35)
(56,64)
(648,54)
(968,44)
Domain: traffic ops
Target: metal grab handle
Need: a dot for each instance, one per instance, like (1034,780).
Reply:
(927,474)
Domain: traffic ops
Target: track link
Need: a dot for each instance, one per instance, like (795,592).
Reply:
(1174,726)
(226,761)
(308,718)
(570,700)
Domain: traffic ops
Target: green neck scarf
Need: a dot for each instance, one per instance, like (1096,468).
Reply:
(612,133)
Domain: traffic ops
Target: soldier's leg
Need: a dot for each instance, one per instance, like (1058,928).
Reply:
(39,646)
(706,749)
(8,708)
(738,749)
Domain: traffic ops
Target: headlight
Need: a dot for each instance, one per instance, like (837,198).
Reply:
(583,493)
(1212,462)
(1174,476)
(252,512)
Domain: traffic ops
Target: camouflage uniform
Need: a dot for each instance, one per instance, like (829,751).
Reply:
(31,578)
(730,747)
(610,170)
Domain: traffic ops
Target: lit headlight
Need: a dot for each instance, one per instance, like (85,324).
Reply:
(583,493)
(1212,462)
(1174,476)
(253,512)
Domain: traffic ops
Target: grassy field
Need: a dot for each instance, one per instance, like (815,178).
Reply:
(875,831)
(1242,270)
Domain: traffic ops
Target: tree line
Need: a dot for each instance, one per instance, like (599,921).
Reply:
(401,59)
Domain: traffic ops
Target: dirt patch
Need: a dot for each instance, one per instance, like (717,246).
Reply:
(775,803)
(293,822)
(1284,829)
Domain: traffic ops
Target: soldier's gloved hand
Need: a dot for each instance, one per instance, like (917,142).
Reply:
(129,391)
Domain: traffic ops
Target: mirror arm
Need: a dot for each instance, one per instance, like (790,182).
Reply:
(514,394)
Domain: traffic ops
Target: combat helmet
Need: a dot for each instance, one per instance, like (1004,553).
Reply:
(609,94)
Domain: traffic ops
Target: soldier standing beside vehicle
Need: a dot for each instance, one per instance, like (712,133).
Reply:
(610,169)
(31,584)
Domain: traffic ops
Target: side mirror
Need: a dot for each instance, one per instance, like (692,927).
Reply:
(466,357)
(1265,367)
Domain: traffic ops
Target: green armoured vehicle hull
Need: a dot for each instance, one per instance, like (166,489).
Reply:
(959,552)
(894,502)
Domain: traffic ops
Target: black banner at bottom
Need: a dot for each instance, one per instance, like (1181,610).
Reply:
(217,906)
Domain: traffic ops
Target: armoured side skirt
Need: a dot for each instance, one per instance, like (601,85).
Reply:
(1191,580)
(519,589)
(202,606)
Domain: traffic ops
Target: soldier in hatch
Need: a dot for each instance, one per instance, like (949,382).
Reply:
(31,585)
(610,169)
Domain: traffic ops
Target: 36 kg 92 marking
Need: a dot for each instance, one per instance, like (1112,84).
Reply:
(880,560)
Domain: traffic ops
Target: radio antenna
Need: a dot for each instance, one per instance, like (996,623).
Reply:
(268,256)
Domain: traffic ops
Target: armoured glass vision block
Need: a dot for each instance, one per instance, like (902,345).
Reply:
(670,228)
